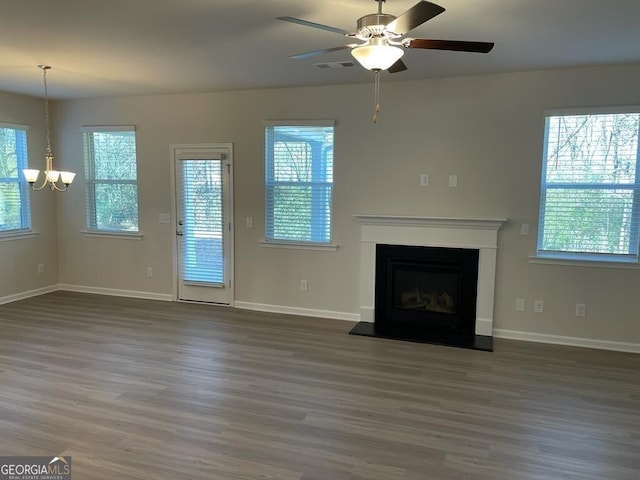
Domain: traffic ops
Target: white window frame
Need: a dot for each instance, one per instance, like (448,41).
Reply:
(91,182)
(22,158)
(270,240)
(629,260)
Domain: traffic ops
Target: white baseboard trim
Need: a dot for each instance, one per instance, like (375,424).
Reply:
(306,312)
(29,294)
(567,341)
(117,293)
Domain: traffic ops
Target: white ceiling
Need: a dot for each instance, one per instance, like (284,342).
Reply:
(137,47)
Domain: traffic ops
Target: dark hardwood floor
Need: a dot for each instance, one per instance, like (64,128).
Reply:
(139,389)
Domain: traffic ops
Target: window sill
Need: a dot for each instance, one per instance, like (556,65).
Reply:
(583,263)
(119,235)
(6,237)
(327,247)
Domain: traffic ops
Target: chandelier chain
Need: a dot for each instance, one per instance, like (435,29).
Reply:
(46,109)
(377,91)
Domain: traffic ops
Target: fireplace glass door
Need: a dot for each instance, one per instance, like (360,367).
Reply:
(425,288)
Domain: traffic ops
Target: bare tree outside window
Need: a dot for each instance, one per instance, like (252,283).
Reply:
(590,186)
(111,175)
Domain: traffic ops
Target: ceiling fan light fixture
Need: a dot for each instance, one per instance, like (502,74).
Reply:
(377,55)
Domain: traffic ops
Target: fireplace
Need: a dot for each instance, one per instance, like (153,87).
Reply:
(420,291)
(459,311)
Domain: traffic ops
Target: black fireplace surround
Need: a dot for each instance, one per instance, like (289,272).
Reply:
(426,294)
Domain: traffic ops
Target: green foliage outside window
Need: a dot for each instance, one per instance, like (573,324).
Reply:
(14,196)
(299,183)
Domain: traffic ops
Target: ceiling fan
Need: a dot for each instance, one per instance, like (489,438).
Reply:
(383,37)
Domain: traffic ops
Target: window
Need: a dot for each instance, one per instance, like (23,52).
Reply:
(15,214)
(111,178)
(299,181)
(590,194)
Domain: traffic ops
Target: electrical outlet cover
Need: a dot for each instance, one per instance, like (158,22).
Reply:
(538,306)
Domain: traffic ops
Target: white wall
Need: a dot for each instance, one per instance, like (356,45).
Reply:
(19,258)
(486,129)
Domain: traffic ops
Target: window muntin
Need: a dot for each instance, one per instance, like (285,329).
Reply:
(111,179)
(590,189)
(15,215)
(299,182)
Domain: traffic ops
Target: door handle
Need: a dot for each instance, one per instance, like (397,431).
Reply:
(179,233)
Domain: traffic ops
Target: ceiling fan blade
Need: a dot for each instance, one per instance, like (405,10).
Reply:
(320,52)
(415,16)
(307,23)
(399,66)
(455,45)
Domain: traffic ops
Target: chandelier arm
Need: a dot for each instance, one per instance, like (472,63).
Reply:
(54,186)
(44,184)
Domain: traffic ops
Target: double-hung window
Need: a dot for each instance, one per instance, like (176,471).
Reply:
(590,190)
(15,216)
(111,179)
(299,181)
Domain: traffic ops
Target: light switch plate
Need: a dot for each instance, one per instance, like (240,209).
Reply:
(453,180)
(164,218)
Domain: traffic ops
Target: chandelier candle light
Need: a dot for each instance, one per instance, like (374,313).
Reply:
(51,176)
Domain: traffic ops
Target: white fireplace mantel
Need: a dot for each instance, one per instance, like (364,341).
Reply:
(473,223)
(476,233)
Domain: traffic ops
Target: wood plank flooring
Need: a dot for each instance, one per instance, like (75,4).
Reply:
(139,389)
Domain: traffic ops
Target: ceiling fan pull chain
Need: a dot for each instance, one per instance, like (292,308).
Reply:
(376,96)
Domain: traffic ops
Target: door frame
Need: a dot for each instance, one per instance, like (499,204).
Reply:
(174,148)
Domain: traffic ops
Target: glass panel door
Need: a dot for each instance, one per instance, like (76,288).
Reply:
(203,226)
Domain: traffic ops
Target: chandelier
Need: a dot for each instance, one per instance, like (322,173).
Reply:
(55,179)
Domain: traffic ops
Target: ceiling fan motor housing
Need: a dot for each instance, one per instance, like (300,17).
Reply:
(374,25)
